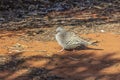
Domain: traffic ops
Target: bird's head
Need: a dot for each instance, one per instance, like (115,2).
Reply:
(59,29)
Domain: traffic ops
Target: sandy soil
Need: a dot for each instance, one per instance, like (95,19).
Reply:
(100,62)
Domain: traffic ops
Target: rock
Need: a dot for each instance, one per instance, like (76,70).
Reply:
(2,19)
(102,30)
(4,59)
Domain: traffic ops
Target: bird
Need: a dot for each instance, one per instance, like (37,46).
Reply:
(69,40)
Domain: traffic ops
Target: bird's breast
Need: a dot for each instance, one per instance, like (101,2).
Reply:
(60,40)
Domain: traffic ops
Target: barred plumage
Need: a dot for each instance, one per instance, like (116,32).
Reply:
(68,40)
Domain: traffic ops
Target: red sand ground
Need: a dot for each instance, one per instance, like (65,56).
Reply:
(100,63)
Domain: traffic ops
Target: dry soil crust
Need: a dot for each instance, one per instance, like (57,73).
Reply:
(102,62)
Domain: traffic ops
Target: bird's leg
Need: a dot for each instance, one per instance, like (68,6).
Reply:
(73,50)
(61,50)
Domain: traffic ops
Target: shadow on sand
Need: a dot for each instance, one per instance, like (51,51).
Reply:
(65,67)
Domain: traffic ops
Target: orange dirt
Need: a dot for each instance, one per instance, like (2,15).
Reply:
(101,62)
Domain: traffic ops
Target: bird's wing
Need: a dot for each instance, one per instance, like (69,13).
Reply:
(76,40)
(72,39)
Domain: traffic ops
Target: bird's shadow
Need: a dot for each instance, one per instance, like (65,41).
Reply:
(83,48)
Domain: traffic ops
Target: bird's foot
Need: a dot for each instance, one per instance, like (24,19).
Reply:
(61,50)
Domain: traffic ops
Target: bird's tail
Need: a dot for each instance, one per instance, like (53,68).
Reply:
(94,43)
(85,42)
